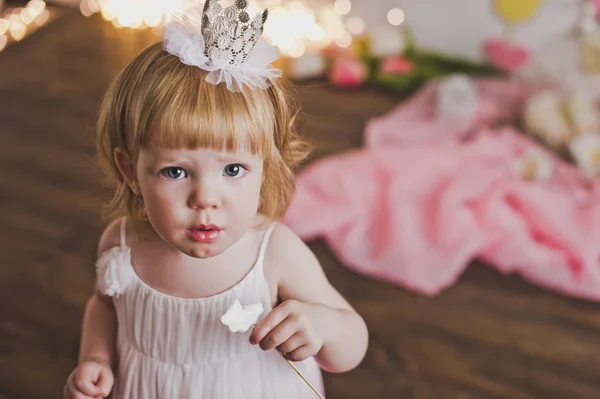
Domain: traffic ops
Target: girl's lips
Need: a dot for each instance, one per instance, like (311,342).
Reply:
(205,235)
(206,227)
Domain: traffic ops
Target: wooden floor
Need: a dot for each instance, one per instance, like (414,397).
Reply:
(487,337)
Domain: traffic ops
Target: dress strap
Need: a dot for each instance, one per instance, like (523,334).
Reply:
(113,268)
(123,233)
(264,243)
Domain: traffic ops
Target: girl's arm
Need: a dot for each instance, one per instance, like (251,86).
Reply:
(313,317)
(93,377)
(99,330)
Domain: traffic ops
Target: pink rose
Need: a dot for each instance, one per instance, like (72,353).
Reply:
(333,51)
(348,72)
(396,65)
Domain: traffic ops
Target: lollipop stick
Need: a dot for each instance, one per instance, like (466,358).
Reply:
(292,365)
(300,374)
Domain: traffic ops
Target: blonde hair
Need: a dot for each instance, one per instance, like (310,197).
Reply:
(157,97)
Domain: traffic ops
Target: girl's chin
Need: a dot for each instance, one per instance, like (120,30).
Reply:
(203,251)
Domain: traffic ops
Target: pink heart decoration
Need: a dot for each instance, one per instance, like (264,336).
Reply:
(596,3)
(504,55)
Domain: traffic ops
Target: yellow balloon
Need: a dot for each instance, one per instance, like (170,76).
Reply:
(514,11)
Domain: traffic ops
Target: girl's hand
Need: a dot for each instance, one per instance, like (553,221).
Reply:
(91,379)
(295,328)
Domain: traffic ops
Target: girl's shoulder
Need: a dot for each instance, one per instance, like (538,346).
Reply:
(111,236)
(283,245)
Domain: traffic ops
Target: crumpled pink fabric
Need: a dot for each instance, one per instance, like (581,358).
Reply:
(414,120)
(417,212)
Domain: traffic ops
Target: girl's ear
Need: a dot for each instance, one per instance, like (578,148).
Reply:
(127,169)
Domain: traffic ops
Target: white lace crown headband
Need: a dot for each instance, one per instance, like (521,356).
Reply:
(226,42)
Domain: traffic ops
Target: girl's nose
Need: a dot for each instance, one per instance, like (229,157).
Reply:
(205,196)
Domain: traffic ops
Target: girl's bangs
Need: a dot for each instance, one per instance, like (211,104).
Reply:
(208,116)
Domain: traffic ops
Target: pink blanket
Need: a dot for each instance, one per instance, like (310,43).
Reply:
(417,212)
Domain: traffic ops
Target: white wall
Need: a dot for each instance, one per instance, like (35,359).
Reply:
(460,26)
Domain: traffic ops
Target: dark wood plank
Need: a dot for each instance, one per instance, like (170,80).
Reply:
(489,336)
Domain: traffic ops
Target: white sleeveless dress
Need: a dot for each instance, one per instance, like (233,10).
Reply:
(177,348)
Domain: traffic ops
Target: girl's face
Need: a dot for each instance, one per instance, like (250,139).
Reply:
(200,201)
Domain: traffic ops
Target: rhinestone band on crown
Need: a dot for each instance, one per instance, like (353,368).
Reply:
(229,34)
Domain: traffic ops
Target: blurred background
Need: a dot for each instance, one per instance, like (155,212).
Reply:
(452,196)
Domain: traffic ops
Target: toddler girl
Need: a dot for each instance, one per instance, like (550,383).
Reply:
(196,134)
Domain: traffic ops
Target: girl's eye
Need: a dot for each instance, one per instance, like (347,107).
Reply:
(173,173)
(235,170)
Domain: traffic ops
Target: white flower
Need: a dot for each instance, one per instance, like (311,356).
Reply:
(457,100)
(241,318)
(386,41)
(545,118)
(535,165)
(587,20)
(586,151)
(583,114)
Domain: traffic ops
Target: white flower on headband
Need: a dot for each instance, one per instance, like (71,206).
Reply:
(226,42)
(240,318)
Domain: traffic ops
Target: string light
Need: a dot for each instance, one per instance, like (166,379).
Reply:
(17,29)
(342,7)
(27,15)
(4,25)
(17,22)
(38,6)
(395,16)
(293,27)
(344,40)
(355,25)
(297,50)
(86,9)
(42,18)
